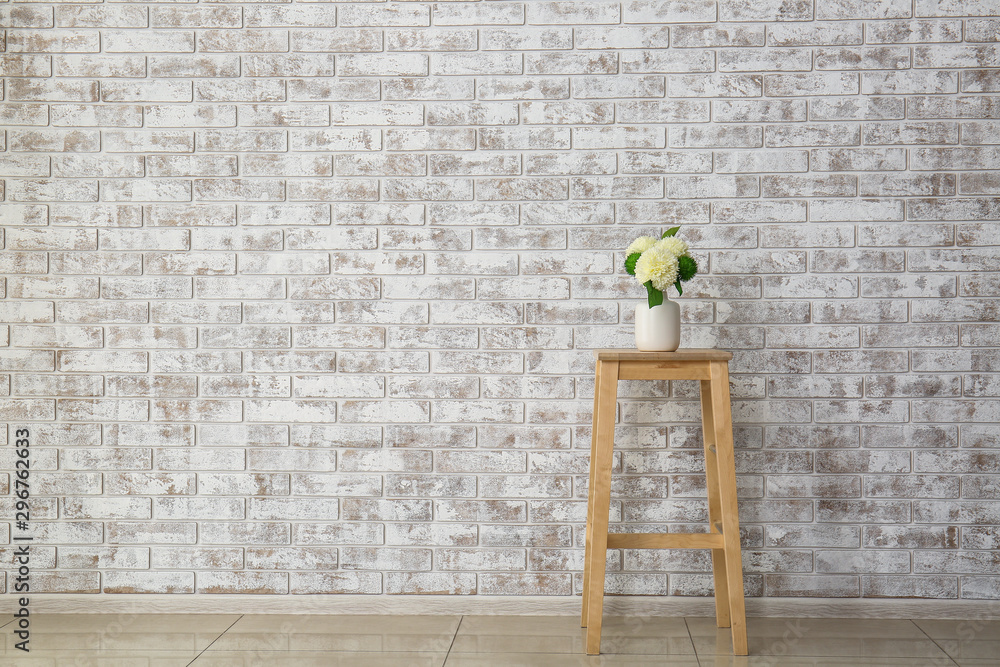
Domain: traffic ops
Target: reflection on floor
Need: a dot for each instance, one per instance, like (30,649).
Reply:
(259,640)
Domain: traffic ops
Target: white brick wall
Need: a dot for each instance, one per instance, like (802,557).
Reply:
(300,298)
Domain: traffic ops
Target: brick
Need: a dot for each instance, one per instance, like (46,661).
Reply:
(909,436)
(149,434)
(722,137)
(24,214)
(196,410)
(654,62)
(951,511)
(526,288)
(862,561)
(243,582)
(429,287)
(756,60)
(27,312)
(47,41)
(914,31)
(831,535)
(907,537)
(106,508)
(335,582)
(197,557)
(432,139)
(969,360)
(863,210)
(430,583)
(100,66)
(42,90)
(911,486)
(242,90)
(857,260)
(918,335)
(654,11)
(24,262)
(325,483)
(354,411)
(520,138)
(345,39)
(292,558)
(918,385)
(127,41)
(693,36)
(196,17)
(427,337)
(292,508)
(160,141)
(863,511)
(865,108)
(909,586)
(616,187)
(150,532)
(380,165)
(146,91)
(391,510)
(104,557)
(431,486)
(185,313)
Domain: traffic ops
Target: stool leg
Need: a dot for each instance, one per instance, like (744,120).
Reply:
(601,496)
(590,501)
(722,619)
(723,422)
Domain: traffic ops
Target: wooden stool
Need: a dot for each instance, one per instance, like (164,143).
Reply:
(712,368)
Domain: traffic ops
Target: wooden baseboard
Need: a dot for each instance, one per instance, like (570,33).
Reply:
(498,605)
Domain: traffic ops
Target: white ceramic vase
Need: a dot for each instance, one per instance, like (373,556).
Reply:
(657,329)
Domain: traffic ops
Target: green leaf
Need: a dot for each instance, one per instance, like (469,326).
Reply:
(654,296)
(630,263)
(686,267)
(680,290)
(670,232)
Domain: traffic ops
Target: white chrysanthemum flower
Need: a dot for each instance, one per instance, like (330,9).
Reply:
(641,244)
(657,265)
(673,245)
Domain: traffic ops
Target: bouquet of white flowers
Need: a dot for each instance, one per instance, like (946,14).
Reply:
(659,263)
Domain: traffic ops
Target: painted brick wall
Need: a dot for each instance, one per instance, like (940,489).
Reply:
(301,297)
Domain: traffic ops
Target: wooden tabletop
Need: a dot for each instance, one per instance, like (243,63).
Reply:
(685,354)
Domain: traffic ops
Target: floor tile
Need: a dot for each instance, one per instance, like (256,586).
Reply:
(191,642)
(966,641)
(339,633)
(319,659)
(118,623)
(966,630)
(815,627)
(324,641)
(347,623)
(974,650)
(129,658)
(827,637)
(115,637)
(842,647)
(563,634)
(818,661)
(456,659)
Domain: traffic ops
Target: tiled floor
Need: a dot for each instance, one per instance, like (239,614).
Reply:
(257,640)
